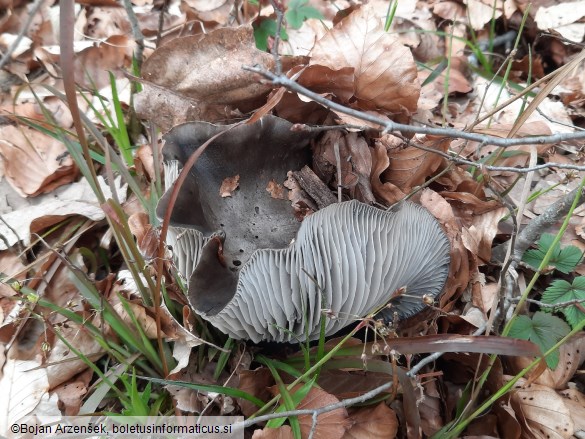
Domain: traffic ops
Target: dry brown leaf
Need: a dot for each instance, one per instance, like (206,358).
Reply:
(71,393)
(34,163)
(482,232)
(330,425)
(229,185)
(387,192)
(377,423)
(384,71)
(282,432)
(410,167)
(348,384)
(12,267)
(64,363)
(300,201)
(255,382)
(462,266)
(543,412)
(276,190)
(146,235)
(208,70)
(355,161)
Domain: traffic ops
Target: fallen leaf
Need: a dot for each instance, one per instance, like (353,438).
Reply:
(34,163)
(330,425)
(74,199)
(377,423)
(229,185)
(385,75)
(276,190)
(544,412)
(207,69)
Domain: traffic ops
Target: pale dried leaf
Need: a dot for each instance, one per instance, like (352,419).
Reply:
(384,70)
(25,386)
(74,199)
(545,413)
(480,13)
(387,191)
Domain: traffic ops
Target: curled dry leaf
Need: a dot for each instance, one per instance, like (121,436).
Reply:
(330,425)
(229,185)
(146,235)
(386,191)
(543,412)
(410,167)
(276,190)
(355,161)
(34,163)
(377,423)
(385,75)
(462,266)
(207,70)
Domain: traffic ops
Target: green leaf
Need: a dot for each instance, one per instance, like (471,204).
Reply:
(564,260)
(545,330)
(298,11)
(267,28)
(562,291)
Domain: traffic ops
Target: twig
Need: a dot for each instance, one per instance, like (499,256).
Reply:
(552,305)
(338,161)
(530,234)
(318,411)
(31,15)
(390,126)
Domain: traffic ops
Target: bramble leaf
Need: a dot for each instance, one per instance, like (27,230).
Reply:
(298,11)
(544,329)
(562,291)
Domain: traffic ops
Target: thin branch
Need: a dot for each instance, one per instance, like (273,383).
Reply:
(552,305)
(318,411)
(390,126)
(537,226)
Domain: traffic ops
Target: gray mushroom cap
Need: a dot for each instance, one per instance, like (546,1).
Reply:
(349,257)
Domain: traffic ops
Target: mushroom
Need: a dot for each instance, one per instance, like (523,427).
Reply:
(349,258)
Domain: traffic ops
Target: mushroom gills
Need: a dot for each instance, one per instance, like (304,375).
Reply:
(348,258)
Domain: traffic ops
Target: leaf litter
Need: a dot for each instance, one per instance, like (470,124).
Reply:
(193,72)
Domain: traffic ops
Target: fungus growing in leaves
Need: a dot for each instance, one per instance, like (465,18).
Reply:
(246,277)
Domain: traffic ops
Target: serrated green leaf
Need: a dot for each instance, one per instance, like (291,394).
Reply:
(562,291)
(544,330)
(564,260)
(568,258)
(298,11)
